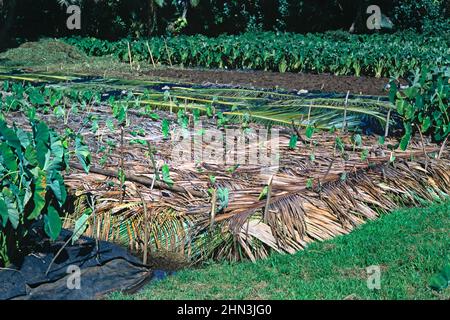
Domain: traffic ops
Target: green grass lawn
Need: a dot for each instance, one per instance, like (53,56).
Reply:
(409,245)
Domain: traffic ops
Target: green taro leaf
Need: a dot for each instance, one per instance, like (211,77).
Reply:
(36,97)
(31,156)
(9,136)
(293,142)
(13,213)
(222,196)
(52,223)
(8,158)
(309,131)
(263,193)
(393,91)
(165,128)
(81,225)
(40,186)
(439,282)
(83,154)
(42,136)
(357,139)
(57,186)
(426,124)
(166,175)
(3,211)
(23,137)
(405,141)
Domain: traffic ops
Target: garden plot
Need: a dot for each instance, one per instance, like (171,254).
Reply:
(324,181)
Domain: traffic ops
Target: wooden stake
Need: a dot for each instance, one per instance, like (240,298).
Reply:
(442,147)
(388,118)
(344,123)
(213,209)
(423,148)
(129,55)
(151,55)
(309,114)
(144,260)
(121,165)
(168,53)
(269,191)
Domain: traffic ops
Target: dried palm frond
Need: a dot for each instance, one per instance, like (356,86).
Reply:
(297,214)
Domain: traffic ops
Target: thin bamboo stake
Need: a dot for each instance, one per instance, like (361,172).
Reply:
(121,166)
(344,122)
(269,191)
(144,204)
(309,114)
(442,147)
(388,118)
(151,55)
(168,53)
(129,55)
(297,132)
(213,209)
(423,147)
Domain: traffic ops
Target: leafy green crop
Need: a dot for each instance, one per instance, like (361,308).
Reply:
(32,187)
(392,55)
(425,105)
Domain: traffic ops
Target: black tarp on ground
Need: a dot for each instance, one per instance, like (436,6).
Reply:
(104,267)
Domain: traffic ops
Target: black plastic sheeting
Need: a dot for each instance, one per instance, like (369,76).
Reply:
(103,268)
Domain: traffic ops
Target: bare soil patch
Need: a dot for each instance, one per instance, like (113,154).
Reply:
(274,80)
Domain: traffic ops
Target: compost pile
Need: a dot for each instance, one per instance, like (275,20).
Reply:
(318,191)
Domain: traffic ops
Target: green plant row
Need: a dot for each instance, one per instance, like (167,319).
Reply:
(339,53)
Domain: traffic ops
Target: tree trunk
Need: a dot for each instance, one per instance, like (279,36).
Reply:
(151,17)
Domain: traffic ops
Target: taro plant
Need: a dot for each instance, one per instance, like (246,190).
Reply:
(32,190)
(32,187)
(425,105)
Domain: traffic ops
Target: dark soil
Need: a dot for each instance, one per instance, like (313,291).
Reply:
(275,80)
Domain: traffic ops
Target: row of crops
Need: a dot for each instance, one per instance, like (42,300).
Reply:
(339,53)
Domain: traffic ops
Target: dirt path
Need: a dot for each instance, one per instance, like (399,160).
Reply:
(271,80)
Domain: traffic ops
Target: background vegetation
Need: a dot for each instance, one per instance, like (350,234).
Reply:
(114,19)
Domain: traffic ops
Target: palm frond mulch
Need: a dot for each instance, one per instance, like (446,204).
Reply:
(308,199)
